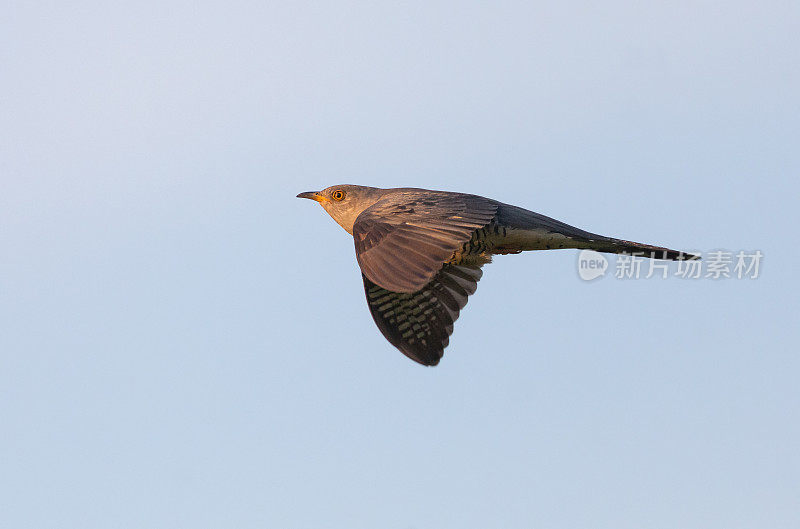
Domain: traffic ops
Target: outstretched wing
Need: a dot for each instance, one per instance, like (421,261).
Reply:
(420,323)
(403,240)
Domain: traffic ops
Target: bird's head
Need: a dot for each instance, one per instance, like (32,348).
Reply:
(345,202)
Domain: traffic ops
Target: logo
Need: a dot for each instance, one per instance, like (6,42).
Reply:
(591,265)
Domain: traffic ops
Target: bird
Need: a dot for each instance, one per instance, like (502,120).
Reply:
(421,251)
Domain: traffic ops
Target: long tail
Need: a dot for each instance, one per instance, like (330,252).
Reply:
(541,226)
(610,245)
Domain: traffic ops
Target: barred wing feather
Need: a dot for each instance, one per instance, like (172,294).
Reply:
(420,323)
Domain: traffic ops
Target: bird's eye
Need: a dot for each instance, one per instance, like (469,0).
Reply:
(338,195)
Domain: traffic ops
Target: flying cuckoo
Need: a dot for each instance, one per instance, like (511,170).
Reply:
(421,253)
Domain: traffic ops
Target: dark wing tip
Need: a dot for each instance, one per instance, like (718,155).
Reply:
(420,323)
(427,357)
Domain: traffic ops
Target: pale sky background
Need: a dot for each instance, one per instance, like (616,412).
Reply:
(185,344)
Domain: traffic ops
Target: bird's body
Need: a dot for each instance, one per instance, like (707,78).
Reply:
(421,252)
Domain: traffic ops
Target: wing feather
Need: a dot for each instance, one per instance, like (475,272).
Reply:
(404,239)
(420,323)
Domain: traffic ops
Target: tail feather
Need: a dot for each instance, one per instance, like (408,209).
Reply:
(535,228)
(609,245)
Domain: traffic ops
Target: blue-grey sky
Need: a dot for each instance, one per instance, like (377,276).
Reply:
(185,344)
